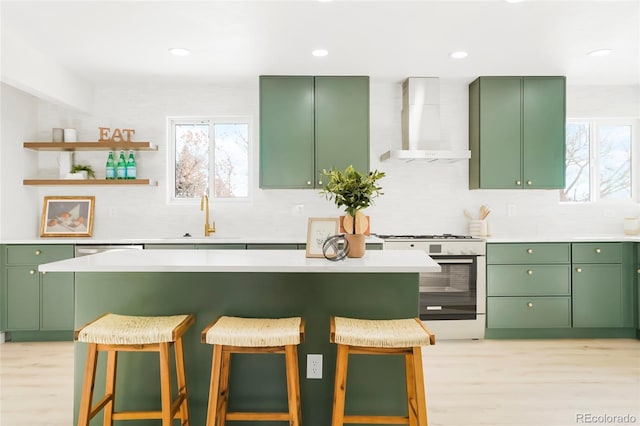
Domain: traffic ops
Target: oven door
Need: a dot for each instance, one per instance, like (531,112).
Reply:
(452,293)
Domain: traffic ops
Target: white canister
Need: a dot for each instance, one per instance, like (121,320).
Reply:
(65,162)
(631,225)
(70,135)
(478,228)
(57,135)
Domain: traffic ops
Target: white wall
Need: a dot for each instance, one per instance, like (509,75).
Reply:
(419,197)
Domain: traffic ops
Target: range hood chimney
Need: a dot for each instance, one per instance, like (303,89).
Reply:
(421,124)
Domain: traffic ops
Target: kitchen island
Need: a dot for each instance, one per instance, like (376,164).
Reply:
(265,283)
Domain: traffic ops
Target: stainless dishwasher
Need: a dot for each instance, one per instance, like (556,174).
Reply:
(86,250)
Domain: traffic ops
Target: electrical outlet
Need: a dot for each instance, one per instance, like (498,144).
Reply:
(297,210)
(314,366)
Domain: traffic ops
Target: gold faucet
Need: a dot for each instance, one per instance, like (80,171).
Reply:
(204,202)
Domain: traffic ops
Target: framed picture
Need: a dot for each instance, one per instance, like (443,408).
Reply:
(67,216)
(318,230)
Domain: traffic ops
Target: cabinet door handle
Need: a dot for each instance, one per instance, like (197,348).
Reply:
(529,305)
(38,252)
(308,182)
(319,182)
(638,270)
(529,183)
(529,272)
(518,182)
(32,272)
(530,251)
(578,269)
(598,251)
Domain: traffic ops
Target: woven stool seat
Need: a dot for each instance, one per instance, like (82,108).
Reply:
(254,332)
(395,333)
(236,335)
(112,329)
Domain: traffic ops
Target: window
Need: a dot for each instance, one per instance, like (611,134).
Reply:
(599,161)
(209,156)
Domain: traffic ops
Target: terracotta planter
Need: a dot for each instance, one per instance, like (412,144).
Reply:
(357,245)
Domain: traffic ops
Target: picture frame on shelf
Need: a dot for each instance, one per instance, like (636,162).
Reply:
(67,216)
(318,230)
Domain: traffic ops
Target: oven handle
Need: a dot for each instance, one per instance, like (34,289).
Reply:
(465,260)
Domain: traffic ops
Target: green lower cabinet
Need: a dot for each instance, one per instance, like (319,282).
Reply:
(23,298)
(272,246)
(528,280)
(224,246)
(529,312)
(597,296)
(57,300)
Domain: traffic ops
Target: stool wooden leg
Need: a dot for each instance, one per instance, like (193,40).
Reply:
(412,404)
(293,385)
(214,386)
(340,386)
(419,386)
(87,385)
(165,384)
(110,387)
(223,392)
(182,382)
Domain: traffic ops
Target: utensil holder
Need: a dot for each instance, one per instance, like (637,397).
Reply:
(631,226)
(478,228)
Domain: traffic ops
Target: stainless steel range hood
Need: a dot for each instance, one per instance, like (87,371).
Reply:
(421,124)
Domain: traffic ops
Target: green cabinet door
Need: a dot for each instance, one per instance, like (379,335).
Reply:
(22,298)
(499,133)
(517,132)
(597,295)
(543,132)
(57,301)
(341,124)
(286,132)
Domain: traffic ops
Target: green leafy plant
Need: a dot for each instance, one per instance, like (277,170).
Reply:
(84,167)
(351,189)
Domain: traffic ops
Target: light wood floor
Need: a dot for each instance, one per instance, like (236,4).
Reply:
(468,383)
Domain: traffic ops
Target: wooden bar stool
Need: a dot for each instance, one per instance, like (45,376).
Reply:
(256,336)
(381,337)
(120,333)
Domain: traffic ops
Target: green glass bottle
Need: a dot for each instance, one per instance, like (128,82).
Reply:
(121,167)
(131,166)
(111,167)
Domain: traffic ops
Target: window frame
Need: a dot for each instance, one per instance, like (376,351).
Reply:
(594,159)
(212,121)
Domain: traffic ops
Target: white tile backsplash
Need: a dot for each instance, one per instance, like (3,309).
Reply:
(418,197)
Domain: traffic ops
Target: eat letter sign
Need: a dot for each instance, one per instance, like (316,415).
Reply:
(116,136)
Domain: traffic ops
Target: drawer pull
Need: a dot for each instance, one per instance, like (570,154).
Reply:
(529,183)
(529,305)
(638,270)
(319,182)
(518,183)
(530,251)
(308,182)
(598,251)
(32,272)
(529,272)
(434,308)
(38,252)
(578,269)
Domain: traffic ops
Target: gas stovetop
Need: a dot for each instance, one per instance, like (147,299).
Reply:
(426,237)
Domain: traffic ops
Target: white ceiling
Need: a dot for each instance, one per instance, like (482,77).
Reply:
(108,41)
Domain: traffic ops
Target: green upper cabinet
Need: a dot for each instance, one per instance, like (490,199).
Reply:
(517,132)
(311,123)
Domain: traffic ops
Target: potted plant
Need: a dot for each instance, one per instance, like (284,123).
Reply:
(84,170)
(354,191)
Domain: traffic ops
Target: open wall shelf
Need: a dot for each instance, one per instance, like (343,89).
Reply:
(147,182)
(90,146)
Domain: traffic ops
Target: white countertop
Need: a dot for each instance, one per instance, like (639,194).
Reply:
(214,239)
(564,238)
(378,261)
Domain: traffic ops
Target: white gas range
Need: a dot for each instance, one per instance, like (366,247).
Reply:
(453,301)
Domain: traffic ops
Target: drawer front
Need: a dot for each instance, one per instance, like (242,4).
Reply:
(529,312)
(223,246)
(597,252)
(37,254)
(272,246)
(528,253)
(528,280)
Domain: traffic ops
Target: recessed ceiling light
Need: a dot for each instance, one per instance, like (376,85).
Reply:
(320,52)
(600,52)
(459,54)
(179,51)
